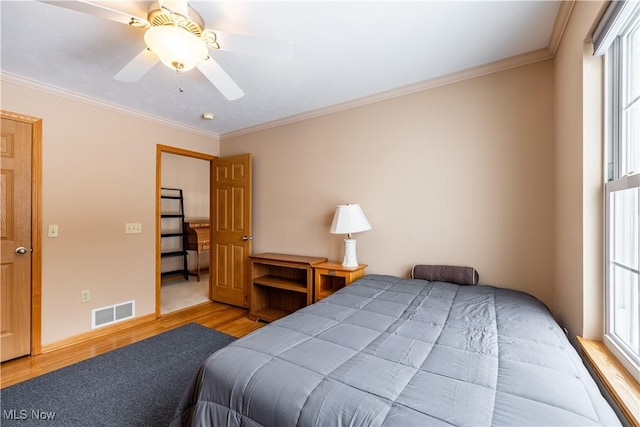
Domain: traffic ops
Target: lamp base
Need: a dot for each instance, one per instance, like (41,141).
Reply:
(350,259)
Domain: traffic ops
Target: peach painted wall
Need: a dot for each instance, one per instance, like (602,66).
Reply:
(579,177)
(99,172)
(459,174)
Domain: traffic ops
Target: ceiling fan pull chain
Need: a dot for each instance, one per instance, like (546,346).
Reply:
(180,88)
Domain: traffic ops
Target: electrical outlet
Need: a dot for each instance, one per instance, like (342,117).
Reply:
(84,296)
(133,228)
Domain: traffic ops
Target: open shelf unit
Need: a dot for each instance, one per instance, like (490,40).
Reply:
(173,234)
(280,284)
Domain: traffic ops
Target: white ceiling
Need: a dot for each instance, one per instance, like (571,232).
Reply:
(342,51)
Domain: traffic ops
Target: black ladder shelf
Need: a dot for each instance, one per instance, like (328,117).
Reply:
(172,212)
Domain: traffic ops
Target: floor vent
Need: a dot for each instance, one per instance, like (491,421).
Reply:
(112,314)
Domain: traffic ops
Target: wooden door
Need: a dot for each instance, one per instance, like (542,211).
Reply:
(15,233)
(231,229)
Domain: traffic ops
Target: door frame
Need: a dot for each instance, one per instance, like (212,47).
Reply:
(36,225)
(160,149)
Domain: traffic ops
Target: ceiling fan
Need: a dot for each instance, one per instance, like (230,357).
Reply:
(176,35)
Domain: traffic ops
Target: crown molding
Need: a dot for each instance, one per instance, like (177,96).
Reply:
(560,25)
(490,68)
(74,96)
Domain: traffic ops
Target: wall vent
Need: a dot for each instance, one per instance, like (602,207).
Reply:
(112,314)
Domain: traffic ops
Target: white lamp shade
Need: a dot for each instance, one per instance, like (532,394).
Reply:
(349,219)
(176,47)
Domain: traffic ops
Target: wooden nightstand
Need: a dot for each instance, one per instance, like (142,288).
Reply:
(331,276)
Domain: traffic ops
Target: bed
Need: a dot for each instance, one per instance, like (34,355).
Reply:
(392,351)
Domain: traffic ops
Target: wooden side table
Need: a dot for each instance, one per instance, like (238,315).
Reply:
(331,276)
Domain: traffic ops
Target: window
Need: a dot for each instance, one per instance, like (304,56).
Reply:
(622,189)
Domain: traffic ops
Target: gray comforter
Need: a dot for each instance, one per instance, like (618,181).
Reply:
(401,352)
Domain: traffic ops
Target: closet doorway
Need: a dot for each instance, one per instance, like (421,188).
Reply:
(189,172)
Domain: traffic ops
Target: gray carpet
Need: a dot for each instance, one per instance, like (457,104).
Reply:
(137,385)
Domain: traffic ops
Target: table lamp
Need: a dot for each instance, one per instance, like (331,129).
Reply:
(349,219)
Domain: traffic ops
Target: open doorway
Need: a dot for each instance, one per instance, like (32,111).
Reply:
(183,229)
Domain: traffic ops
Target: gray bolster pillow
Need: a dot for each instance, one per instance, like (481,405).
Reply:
(446,273)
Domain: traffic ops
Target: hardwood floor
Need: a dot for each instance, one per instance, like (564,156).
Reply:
(221,317)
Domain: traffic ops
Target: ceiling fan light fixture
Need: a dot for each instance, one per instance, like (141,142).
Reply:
(176,47)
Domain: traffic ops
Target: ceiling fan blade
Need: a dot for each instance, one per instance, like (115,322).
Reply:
(220,79)
(137,67)
(96,9)
(251,45)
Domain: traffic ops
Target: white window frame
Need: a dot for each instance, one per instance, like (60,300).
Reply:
(618,178)
(627,356)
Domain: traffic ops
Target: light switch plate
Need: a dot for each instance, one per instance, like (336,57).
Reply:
(133,228)
(53,230)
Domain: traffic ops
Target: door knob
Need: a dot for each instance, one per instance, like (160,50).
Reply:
(21,250)
(245,238)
